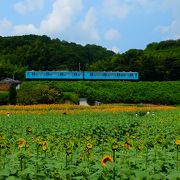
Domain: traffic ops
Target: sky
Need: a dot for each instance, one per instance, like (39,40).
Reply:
(117,25)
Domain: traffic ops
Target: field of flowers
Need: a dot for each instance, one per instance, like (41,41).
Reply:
(98,142)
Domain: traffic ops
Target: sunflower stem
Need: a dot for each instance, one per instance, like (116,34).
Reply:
(88,154)
(114,159)
(37,156)
(66,161)
(146,157)
(177,157)
(45,154)
(71,159)
(21,163)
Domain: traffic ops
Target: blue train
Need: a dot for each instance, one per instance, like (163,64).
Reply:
(80,75)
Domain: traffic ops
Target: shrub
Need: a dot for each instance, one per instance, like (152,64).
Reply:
(70,97)
(37,94)
(4,97)
(12,95)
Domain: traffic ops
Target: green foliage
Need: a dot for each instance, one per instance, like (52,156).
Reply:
(158,62)
(70,97)
(12,95)
(42,53)
(151,150)
(169,44)
(4,97)
(105,92)
(37,94)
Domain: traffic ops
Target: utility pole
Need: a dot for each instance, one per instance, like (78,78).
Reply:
(79,67)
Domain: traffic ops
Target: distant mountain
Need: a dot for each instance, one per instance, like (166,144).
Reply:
(159,61)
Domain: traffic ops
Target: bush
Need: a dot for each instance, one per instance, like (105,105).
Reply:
(4,97)
(12,95)
(37,94)
(70,97)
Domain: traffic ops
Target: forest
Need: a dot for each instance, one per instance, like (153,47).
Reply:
(159,61)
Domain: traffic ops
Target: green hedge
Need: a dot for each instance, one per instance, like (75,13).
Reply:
(4,97)
(37,93)
(103,91)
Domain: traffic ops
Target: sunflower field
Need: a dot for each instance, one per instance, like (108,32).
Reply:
(105,142)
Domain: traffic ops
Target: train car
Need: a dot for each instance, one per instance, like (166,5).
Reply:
(80,75)
(53,75)
(111,75)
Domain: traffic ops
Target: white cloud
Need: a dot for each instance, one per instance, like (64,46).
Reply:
(88,25)
(112,35)
(117,9)
(162,29)
(115,49)
(63,12)
(173,29)
(61,16)
(23,7)
(121,9)
(25,29)
(5,26)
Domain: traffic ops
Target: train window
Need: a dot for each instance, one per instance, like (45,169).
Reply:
(131,74)
(91,74)
(37,74)
(33,73)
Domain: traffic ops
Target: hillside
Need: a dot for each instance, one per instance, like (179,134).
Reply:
(32,52)
(158,61)
(47,92)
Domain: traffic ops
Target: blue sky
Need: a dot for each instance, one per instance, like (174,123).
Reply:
(117,25)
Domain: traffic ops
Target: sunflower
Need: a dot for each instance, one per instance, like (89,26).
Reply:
(89,145)
(21,143)
(127,146)
(85,150)
(29,129)
(1,137)
(45,145)
(106,159)
(80,158)
(177,142)
(115,147)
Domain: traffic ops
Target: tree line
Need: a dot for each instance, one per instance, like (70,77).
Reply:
(157,62)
